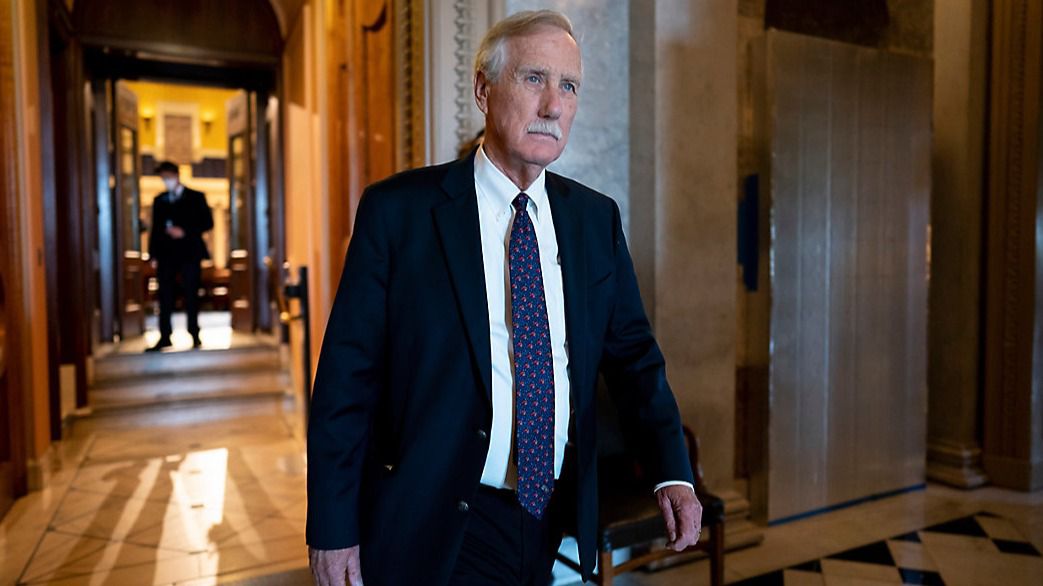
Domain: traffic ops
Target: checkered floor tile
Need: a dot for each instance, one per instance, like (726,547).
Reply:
(908,558)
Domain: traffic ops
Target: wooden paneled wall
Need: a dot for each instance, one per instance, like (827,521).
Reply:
(375,102)
(14,385)
(847,158)
(187,28)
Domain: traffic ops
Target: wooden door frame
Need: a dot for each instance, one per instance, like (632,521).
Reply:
(15,413)
(104,192)
(66,144)
(257,78)
(128,255)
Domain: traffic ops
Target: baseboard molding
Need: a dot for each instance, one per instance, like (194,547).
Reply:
(41,471)
(955,464)
(1014,473)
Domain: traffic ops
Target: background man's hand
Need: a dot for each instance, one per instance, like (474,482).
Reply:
(176,232)
(335,567)
(683,515)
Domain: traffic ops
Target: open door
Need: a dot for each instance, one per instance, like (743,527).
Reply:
(240,207)
(127,176)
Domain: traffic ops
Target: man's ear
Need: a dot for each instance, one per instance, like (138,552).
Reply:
(481,92)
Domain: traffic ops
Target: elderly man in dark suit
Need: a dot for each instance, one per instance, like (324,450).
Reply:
(180,217)
(452,437)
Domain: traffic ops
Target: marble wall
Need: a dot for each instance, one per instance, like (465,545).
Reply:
(695,197)
(599,148)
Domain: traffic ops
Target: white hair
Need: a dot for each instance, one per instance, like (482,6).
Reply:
(492,52)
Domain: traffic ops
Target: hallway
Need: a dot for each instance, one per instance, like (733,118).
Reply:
(168,495)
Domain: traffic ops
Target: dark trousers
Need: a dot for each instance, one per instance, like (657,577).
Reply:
(167,271)
(505,545)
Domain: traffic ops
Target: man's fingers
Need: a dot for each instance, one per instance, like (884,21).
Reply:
(354,570)
(336,567)
(667,508)
(689,525)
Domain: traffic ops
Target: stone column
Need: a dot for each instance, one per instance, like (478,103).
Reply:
(954,319)
(695,197)
(599,148)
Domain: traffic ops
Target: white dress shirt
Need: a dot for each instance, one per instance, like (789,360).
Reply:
(496,192)
(495,217)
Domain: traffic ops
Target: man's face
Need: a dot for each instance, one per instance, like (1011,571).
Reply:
(530,107)
(169,179)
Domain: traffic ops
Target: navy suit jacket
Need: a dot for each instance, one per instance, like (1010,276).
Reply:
(402,406)
(192,214)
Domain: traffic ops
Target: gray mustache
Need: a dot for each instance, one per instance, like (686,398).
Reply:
(546,127)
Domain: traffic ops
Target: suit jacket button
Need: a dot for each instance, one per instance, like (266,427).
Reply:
(463,507)
(482,434)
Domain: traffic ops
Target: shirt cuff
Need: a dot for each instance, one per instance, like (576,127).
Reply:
(673,483)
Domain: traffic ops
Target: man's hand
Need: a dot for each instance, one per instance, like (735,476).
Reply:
(176,232)
(335,567)
(683,515)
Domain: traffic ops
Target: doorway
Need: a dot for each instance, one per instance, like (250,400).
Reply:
(209,133)
(204,96)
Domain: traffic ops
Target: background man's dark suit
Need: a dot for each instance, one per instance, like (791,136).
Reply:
(401,407)
(179,256)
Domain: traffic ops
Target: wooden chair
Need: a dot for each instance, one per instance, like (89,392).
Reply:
(630,517)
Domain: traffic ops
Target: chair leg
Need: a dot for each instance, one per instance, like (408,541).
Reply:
(607,571)
(717,555)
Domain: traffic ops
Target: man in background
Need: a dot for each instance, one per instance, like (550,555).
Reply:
(180,216)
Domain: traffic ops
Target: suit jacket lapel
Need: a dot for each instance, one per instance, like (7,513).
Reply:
(568,227)
(457,222)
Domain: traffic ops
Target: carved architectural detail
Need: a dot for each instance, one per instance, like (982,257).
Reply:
(463,23)
(410,81)
(1011,444)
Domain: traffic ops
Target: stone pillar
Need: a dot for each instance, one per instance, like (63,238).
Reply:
(695,198)
(954,326)
(599,148)
(1013,403)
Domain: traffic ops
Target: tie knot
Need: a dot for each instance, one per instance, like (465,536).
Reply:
(520,202)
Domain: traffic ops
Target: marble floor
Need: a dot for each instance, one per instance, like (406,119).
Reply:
(214,493)
(191,495)
(215,332)
(987,537)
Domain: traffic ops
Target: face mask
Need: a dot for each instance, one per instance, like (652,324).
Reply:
(170,183)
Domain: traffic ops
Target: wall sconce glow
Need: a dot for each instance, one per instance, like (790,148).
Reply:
(208,121)
(147,114)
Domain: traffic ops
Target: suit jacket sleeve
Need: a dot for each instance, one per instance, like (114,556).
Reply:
(348,381)
(206,217)
(635,373)
(158,225)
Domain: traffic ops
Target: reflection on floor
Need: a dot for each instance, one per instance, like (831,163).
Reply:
(215,331)
(213,492)
(179,495)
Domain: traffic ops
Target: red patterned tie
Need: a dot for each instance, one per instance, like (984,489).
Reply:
(533,367)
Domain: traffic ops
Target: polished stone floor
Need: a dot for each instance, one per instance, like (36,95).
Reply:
(987,537)
(195,494)
(215,331)
(214,493)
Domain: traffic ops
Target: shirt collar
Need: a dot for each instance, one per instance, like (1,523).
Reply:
(491,183)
